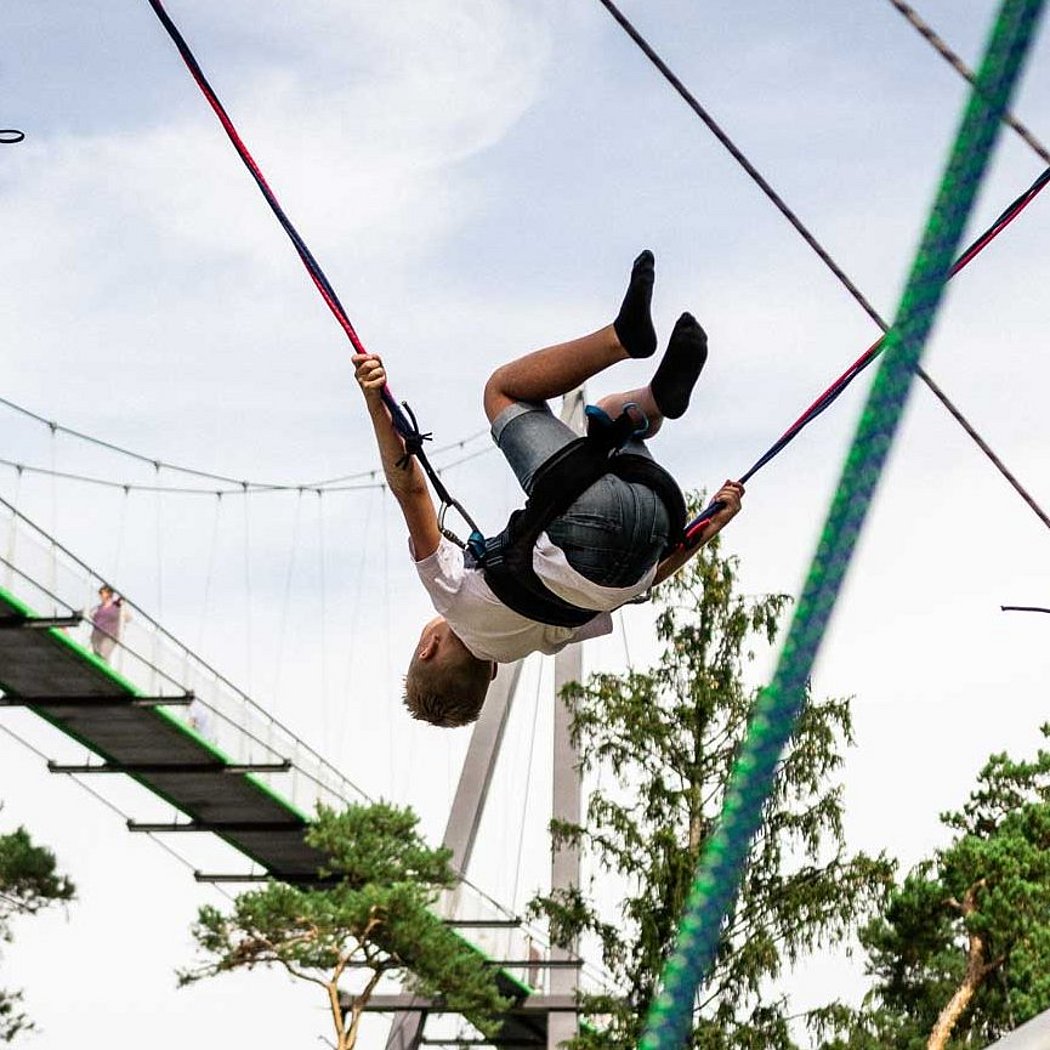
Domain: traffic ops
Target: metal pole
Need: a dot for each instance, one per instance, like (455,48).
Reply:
(566,801)
(461,831)
(478,766)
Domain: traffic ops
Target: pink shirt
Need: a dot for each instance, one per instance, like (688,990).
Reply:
(106,618)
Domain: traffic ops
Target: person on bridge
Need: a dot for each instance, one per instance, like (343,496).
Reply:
(107,622)
(552,577)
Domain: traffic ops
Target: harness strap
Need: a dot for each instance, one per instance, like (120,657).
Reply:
(506,559)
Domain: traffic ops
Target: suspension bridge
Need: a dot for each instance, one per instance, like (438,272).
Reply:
(162,716)
(159,714)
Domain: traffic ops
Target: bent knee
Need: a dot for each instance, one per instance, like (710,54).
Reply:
(495,397)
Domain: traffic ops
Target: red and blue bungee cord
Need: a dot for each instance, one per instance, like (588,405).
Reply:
(694,529)
(402,416)
(312,266)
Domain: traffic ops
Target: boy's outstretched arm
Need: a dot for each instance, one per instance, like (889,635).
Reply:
(407,483)
(730,494)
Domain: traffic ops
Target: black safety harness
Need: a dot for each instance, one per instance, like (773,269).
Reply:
(506,559)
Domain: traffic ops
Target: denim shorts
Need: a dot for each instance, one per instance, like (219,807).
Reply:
(617,530)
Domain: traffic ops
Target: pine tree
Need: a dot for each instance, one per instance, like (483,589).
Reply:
(369,916)
(667,739)
(29,882)
(961,952)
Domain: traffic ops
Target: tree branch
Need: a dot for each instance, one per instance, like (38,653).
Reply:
(976,972)
(357,1010)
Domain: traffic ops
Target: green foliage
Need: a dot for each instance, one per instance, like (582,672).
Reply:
(669,736)
(371,915)
(973,921)
(29,882)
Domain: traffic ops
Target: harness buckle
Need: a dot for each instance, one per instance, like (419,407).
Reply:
(475,542)
(615,433)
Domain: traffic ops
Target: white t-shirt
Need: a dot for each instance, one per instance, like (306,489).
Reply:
(492,631)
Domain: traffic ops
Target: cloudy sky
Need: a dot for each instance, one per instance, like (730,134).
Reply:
(476,176)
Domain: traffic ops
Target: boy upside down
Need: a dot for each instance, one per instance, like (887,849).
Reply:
(615,540)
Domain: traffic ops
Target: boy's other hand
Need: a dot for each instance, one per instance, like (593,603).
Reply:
(731,493)
(370,375)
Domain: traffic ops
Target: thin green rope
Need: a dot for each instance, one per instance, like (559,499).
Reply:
(777,709)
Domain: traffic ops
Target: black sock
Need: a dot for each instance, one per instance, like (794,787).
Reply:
(680,368)
(634,324)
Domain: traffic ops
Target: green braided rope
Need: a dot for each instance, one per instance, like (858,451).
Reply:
(777,709)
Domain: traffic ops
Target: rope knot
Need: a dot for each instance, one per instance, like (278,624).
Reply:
(412,436)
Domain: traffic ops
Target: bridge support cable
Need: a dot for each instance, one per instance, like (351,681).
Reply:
(122,528)
(241,488)
(286,600)
(209,572)
(344,732)
(322,598)
(777,708)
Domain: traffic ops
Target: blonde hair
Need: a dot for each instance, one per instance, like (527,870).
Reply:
(448,692)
